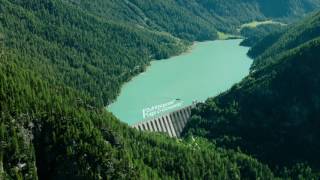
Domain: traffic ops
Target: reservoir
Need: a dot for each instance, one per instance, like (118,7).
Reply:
(209,69)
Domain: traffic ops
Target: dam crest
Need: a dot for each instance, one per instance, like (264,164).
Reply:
(171,123)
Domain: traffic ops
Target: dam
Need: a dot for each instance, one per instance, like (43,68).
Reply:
(171,123)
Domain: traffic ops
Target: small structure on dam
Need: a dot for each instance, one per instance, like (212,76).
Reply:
(172,123)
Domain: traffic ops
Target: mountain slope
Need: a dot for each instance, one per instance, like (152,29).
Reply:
(58,66)
(196,19)
(280,42)
(60,63)
(80,50)
(287,8)
(96,49)
(274,113)
(48,131)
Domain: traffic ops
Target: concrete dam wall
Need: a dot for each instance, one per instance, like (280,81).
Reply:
(172,123)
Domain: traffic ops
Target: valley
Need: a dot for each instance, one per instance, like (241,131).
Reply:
(63,61)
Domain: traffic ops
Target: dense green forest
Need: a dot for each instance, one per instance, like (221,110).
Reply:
(278,42)
(286,8)
(62,61)
(195,19)
(80,50)
(253,35)
(47,132)
(273,114)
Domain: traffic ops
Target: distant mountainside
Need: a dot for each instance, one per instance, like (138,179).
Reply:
(273,114)
(62,61)
(277,43)
(191,20)
(196,19)
(286,8)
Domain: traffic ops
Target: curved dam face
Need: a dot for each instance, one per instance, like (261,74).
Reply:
(172,85)
(171,123)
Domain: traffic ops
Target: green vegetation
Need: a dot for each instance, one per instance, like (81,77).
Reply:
(277,43)
(286,9)
(225,36)
(81,51)
(49,131)
(273,114)
(195,19)
(62,61)
(255,35)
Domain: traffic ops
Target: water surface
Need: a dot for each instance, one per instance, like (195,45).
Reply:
(207,70)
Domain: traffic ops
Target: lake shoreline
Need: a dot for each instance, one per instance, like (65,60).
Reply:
(191,47)
(178,78)
(188,50)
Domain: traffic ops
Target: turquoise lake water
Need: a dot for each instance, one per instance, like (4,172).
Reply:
(207,70)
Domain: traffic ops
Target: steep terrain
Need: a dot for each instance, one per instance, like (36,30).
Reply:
(196,19)
(273,114)
(277,43)
(49,132)
(62,61)
(286,8)
(255,34)
(82,51)
(58,67)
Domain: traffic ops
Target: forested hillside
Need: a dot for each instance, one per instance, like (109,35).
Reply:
(286,8)
(256,34)
(48,132)
(92,49)
(58,67)
(273,114)
(196,19)
(62,61)
(80,50)
(277,43)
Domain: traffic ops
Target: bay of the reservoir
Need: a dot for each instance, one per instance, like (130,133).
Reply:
(207,70)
